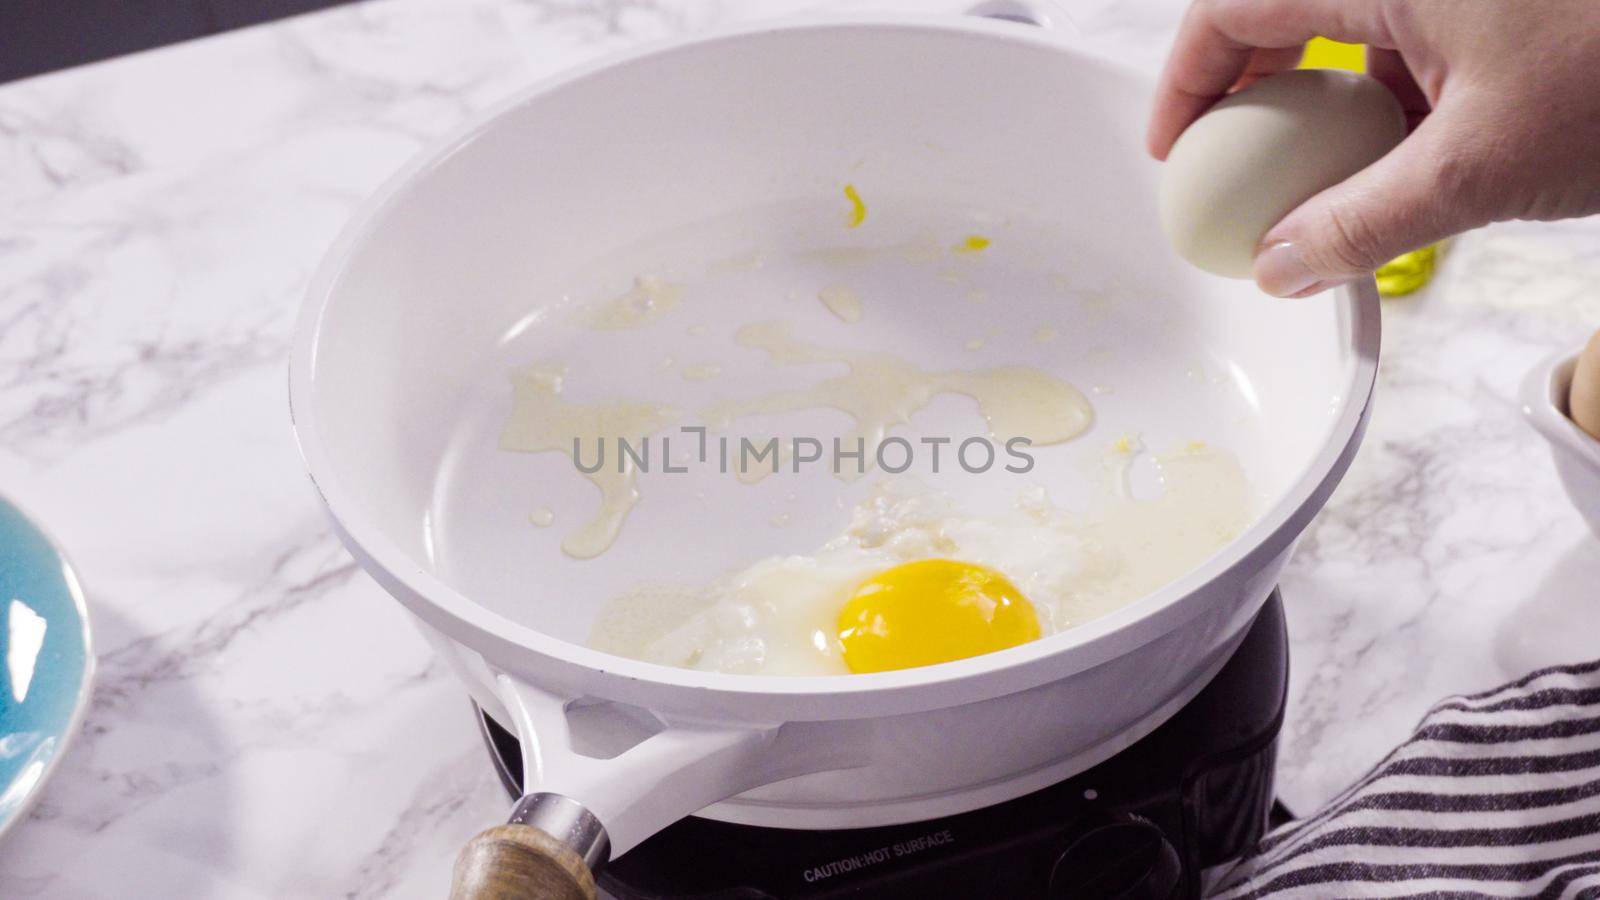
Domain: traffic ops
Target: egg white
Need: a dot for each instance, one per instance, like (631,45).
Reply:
(778,616)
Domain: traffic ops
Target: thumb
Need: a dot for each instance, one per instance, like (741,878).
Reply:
(1420,192)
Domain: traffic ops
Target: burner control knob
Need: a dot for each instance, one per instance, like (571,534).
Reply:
(1125,860)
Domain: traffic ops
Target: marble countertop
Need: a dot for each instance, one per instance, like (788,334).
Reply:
(266,724)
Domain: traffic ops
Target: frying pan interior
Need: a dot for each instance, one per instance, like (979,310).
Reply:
(729,186)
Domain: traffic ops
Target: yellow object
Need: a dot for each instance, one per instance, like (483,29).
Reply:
(1321,53)
(974,243)
(932,611)
(1407,272)
(858,207)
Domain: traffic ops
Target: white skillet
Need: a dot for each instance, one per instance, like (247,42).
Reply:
(457,271)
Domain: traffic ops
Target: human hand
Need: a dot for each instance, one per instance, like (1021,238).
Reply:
(1503,98)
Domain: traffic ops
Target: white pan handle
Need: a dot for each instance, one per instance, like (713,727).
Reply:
(656,782)
(1044,13)
(577,811)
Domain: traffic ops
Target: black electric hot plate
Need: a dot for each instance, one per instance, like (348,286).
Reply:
(1143,825)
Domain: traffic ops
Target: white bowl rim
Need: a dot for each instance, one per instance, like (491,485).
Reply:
(1543,394)
(507,643)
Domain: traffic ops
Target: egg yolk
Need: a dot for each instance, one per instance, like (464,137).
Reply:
(932,611)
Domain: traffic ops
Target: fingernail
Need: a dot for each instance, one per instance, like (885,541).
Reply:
(1280,271)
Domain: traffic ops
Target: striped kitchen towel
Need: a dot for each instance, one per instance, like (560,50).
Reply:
(1495,795)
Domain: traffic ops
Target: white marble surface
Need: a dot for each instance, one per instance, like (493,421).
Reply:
(267,725)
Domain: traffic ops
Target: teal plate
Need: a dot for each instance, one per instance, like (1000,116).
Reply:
(45,663)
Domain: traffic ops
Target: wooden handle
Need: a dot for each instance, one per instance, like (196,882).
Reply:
(520,862)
